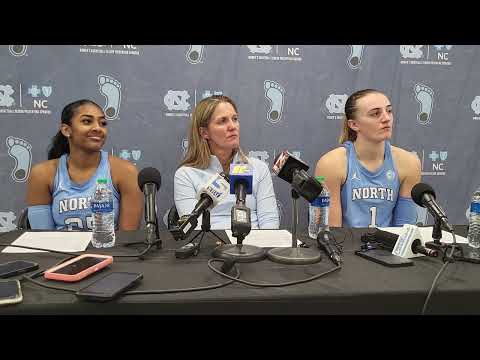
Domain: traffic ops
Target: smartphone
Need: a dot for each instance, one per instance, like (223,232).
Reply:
(384,257)
(109,287)
(16,267)
(78,268)
(10,292)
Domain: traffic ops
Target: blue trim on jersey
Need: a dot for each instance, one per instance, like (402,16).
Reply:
(71,201)
(366,194)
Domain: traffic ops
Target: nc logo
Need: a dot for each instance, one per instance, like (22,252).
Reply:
(476,105)
(177,100)
(261,155)
(260,49)
(5,98)
(336,103)
(7,219)
(411,51)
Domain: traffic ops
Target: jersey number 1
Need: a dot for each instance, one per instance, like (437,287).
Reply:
(373,212)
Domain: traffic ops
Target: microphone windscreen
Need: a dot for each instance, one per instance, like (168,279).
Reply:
(149,175)
(418,190)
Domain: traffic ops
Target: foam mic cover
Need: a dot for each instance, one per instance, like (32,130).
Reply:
(419,190)
(149,175)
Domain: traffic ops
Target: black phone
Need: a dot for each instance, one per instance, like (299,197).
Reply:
(109,287)
(384,257)
(16,267)
(10,292)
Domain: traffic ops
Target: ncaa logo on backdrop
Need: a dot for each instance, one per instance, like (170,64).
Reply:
(21,151)
(110,88)
(275,100)
(425,54)
(476,107)
(195,54)
(274,53)
(18,50)
(354,60)
(424,96)
(110,49)
(433,162)
(25,99)
(7,221)
(335,106)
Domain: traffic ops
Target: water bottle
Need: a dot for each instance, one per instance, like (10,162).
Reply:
(318,211)
(474,222)
(103,233)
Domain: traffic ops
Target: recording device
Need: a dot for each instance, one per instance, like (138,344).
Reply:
(149,181)
(16,267)
(109,287)
(78,268)
(407,245)
(294,171)
(384,257)
(324,243)
(241,178)
(424,195)
(187,250)
(10,292)
(213,192)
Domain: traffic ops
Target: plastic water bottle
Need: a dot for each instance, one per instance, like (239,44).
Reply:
(103,234)
(474,222)
(318,211)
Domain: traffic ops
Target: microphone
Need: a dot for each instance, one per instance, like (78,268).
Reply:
(294,171)
(241,178)
(323,240)
(149,181)
(213,192)
(424,196)
(407,244)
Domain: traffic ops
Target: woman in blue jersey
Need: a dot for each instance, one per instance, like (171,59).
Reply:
(214,144)
(59,189)
(369,179)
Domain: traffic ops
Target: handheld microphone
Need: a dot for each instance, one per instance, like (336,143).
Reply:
(424,195)
(294,171)
(323,240)
(213,192)
(408,244)
(149,181)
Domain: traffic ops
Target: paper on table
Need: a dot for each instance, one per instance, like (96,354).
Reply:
(427,234)
(266,238)
(52,240)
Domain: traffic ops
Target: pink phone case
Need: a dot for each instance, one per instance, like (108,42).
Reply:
(53,275)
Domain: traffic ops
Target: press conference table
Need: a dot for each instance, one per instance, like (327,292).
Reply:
(359,287)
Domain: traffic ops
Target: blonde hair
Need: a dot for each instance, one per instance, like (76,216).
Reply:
(198,152)
(348,134)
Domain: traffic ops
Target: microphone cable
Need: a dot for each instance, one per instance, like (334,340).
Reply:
(288,283)
(447,259)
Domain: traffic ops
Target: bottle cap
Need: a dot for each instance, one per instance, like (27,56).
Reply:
(320,179)
(101,181)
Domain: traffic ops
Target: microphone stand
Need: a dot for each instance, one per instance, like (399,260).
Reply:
(294,255)
(205,228)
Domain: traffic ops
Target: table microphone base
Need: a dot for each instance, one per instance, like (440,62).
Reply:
(240,252)
(295,255)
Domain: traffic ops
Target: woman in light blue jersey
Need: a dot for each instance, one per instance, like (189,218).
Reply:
(214,144)
(370,180)
(59,189)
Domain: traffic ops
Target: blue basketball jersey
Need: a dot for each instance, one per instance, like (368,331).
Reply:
(368,198)
(71,201)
